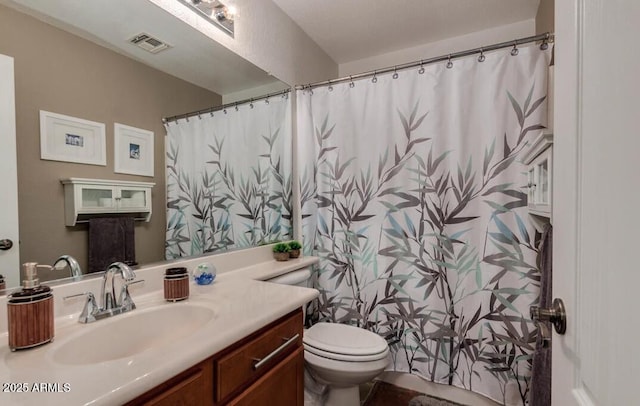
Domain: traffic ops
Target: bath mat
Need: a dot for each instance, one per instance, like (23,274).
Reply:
(428,400)
(385,394)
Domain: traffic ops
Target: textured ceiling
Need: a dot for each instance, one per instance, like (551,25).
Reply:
(349,30)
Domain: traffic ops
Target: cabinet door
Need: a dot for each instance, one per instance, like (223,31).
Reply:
(93,198)
(192,387)
(236,369)
(540,189)
(531,186)
(543,189)
(133,199)
(282,385)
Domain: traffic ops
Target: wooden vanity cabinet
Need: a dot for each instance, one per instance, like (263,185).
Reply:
(235,375)
(192,387)
(282,385)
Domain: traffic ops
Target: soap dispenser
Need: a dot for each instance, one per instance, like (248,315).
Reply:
(30,312)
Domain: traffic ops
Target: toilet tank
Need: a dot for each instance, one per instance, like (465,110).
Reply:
(299,277)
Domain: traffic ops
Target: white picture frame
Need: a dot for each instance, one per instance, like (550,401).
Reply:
(133,150)
(71,139)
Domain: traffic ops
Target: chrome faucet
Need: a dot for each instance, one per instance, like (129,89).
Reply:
(112,305)
(108,292)
(68,261)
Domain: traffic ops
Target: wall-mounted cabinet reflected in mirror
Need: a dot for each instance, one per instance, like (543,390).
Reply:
(222,181)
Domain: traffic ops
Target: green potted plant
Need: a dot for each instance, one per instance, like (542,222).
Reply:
(281,251)
(294,246)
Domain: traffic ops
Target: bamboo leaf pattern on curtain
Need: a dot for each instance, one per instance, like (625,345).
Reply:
(229,179)
(415,202)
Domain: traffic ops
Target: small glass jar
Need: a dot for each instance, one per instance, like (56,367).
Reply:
(204,273)
(176,284)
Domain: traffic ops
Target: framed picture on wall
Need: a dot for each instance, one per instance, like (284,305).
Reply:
(133,150)
(72,139)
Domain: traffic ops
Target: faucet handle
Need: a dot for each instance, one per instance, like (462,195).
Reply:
(133,282)
(80,294)
(90,307)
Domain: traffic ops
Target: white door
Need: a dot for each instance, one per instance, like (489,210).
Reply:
(9,253)
(596,200)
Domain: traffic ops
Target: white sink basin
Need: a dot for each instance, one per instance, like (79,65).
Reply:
(132,333)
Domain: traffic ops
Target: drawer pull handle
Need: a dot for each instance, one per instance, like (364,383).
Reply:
(261,361)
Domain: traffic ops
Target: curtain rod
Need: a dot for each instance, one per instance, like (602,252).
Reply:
(545,38)
(210,110)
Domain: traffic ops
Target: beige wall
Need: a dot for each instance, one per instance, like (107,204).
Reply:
(450,45)
(59,72)
(545,17)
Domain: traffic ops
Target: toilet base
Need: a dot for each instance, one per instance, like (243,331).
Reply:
(341,396)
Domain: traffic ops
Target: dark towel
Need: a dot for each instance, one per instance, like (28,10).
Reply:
(111,239)
(541,370)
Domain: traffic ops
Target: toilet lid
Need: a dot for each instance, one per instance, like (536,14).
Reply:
(343,340)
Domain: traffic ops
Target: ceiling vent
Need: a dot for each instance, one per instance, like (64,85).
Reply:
(148,43)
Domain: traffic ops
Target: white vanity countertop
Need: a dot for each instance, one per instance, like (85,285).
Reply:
(241,306)
(271,269)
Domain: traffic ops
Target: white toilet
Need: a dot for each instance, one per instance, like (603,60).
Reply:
(339,355)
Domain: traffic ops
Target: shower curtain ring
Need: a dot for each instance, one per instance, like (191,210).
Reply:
(351,84)
(421,70)
(375,78)
(211,112)
(236,106)
(224,111)
(545,43)
(330,87)
(481,58)
(515,50)
(266,101)
(250,103)
(199,116)
(309,89)
(449,63)
(395,72)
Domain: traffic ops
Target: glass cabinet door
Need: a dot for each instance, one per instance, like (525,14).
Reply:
(531,185)
(96,197)
(543,181)
(132,198)
(540,183)
(539,161)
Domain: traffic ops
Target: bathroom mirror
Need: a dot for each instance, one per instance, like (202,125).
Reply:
(76,58)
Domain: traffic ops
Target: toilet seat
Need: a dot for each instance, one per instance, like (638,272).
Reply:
(344,343)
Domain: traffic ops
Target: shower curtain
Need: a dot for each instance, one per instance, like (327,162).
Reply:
(229,178)
(414,197)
